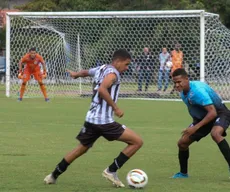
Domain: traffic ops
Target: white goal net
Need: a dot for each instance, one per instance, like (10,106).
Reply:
(81,40)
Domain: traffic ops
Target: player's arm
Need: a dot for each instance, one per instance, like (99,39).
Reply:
(43,66)
(21,63)
(202,98)
(104,94)
(211,115)
(42,63)
(82,73)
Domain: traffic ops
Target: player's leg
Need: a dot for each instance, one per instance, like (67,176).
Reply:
(183,156)
(38,77)
(65,162)
(166,77)
(183,145)
(147,80)
(87,137)
(160,76)
(26,77)
(121,133)
(218,133)
(140,79)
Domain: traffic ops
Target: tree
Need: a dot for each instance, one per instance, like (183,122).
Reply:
(39,5)
(2,37)
(221,7)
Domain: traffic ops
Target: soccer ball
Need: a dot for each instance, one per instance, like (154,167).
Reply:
(137,179)
(169,64)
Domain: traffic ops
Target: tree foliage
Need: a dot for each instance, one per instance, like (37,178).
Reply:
(221,7)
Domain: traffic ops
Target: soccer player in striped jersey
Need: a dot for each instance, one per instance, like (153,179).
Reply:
(209,115)
(99,119)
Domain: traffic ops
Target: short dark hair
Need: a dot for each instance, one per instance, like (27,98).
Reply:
(121,54)
(180,71)
(32,49)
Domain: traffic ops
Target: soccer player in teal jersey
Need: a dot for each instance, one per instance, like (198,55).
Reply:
(209,115)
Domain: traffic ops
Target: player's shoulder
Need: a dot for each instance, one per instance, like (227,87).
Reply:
(197,84)
(110,69)
(39,56)
(26,55)
(198,88)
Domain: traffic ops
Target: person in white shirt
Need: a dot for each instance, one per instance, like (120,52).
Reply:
(164,71)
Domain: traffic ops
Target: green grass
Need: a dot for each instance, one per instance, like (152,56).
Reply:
(36,135)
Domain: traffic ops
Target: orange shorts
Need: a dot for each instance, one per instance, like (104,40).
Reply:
(27,75)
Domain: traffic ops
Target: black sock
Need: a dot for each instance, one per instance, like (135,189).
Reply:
(183,159)
(60,168)
(118,162)
(225,150)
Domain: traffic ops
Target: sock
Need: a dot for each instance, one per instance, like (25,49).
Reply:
(118,162)
(22,90)
(183,159)
(225,150)
(43,89)
(60,168)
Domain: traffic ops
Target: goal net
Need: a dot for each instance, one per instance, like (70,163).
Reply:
(81,40)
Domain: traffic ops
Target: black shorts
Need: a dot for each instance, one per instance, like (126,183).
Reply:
(91,132)
(223,121)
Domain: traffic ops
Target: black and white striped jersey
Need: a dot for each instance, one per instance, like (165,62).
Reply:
(100,112)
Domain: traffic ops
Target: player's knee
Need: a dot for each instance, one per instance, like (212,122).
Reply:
(182,145)
(24,83)
(216,135)
(138,143)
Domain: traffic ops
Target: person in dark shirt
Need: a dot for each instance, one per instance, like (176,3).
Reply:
(144,68)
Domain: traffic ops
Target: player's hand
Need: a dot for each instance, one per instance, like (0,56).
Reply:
(71,73)
(189,131)
(118,112)
(44,75)
(20,75)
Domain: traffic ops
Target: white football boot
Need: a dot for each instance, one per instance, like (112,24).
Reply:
(49,179)
(112,176)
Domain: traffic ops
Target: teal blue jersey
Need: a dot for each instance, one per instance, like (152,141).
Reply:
(199,96)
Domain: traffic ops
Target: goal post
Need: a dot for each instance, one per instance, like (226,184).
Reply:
(81,40)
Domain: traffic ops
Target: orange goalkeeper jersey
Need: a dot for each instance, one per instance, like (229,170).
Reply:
(177,59)
(32,64)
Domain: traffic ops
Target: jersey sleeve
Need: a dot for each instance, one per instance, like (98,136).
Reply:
(23,59)
(201,97)
(41,59)
(92,71)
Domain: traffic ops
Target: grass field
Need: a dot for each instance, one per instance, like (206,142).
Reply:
(36,135)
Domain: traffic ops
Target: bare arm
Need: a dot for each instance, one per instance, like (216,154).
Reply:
(75,75)
(20,66)
(43,66)
(211,115)
(104,94)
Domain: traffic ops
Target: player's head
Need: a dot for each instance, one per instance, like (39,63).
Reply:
(32,52)
(121,60)
(180,80)
(177,46)
(164,50)
(146,50)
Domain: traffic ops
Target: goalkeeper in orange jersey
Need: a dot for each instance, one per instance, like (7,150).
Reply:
(31,62)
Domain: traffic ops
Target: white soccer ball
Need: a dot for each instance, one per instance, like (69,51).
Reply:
(137,179)
(169,64)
